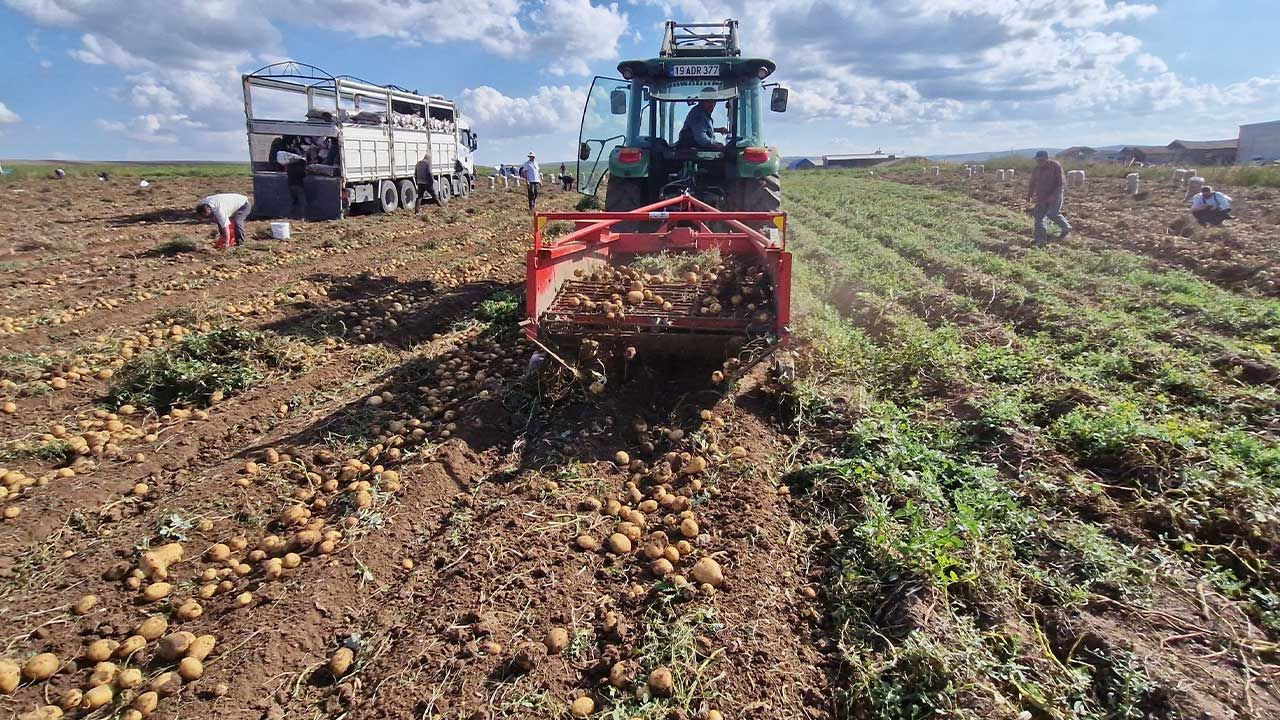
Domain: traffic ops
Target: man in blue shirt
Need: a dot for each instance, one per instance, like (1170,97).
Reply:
(698,128)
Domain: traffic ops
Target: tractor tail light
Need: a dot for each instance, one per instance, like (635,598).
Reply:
(756,154)
(630,156)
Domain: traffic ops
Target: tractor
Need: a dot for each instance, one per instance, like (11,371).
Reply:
(631,126)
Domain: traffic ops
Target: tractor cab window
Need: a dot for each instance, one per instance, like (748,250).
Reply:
(673,100)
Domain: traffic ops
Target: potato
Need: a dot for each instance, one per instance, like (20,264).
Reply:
(557,640)
(85,605)
(41,667)
(217,552)
(174,645)
(131,714)
(100,650)
(689,528)
(97,696)
(201,647)
(586,542)
(129,678)
(44,712)
(164,684)
(189,610)
(584,705)
(244,599)
(660,682)
(622,458)
(10,676)
(146,702)
(190,669)
(714,715)
(619,675)
(157,591)
(70,699)
(152,628)
(619,544)
(131,645)
(661,567)
(155,563)
(104,673)
(340,661)
(707,571)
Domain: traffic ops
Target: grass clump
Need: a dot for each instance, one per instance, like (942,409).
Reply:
(56,451)
(224,361)
(501,314)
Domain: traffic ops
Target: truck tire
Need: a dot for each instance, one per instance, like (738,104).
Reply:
(388,197)
(441,191)
(464,186)
(408,195)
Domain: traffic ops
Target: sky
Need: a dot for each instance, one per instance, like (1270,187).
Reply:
(160,79)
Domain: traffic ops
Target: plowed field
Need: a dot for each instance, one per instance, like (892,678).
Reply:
(1006,483)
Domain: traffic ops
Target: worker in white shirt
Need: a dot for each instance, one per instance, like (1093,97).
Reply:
(1211,207)
(533,175)
(229,211)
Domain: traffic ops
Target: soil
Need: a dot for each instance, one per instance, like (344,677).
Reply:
(438,586)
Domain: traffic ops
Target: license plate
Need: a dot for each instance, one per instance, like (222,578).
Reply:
(694,70)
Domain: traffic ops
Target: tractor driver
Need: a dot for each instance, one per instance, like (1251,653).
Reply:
(697,130)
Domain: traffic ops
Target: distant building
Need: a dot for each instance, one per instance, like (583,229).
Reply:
(1079,152)
(1204,152)
(1259,143)
(1148,154)
(801,164)
(856,160)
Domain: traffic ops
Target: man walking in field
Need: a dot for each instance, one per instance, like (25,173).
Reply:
(533,175)
(1047,187)
(229,211)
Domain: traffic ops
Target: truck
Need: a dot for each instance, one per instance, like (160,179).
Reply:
(364,140)
(631,125)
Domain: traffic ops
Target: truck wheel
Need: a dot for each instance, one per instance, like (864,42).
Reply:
(464,186)
(622,195)
(442,191)
(388,197)
(408,195)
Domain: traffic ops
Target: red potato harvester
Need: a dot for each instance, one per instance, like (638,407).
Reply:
(571,289)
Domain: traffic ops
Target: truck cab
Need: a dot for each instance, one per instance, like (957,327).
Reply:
(632,126)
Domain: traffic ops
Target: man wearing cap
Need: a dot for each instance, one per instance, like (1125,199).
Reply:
(532,175)
(1211,207)
(699,126)
(1048,183)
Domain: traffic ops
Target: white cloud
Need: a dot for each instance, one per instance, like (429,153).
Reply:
(46,64)
(551,110)
(152,127)
(7,115)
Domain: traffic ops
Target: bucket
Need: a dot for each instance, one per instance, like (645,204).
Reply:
(280,230)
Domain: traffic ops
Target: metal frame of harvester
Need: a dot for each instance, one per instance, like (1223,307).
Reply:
(679,224)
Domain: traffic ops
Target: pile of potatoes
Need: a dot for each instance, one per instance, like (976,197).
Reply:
(726,289)
(116,670)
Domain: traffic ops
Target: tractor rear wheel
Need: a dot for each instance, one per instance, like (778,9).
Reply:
(754,194)
(624,195)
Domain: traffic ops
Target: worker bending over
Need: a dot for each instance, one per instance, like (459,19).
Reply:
(1211,207)
(1047,187)
(699,126)
(229,211)
(533,175)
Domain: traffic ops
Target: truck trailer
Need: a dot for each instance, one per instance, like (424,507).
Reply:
(321,145)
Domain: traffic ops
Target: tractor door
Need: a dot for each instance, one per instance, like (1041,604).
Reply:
(604,127)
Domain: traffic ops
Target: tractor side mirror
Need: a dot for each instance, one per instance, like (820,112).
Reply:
(618,101)
(778,99)
(584,151)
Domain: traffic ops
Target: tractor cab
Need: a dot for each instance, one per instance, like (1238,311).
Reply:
(637,130)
